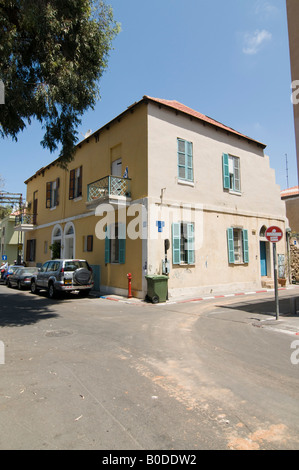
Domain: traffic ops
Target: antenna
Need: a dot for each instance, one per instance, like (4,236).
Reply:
(287,170)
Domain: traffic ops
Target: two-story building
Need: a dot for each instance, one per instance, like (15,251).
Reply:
(160,171)
(10,240)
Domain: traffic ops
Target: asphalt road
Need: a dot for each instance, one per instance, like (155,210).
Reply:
(97,374)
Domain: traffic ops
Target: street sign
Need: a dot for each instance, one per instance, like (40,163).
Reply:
(274,234)
(4,257)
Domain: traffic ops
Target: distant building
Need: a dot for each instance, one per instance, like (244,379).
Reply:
(293,19)
(291,198)
(9,239)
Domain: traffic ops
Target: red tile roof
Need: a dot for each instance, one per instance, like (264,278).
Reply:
(191,112)
(289,192)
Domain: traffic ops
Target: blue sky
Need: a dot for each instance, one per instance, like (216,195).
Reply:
(226,59)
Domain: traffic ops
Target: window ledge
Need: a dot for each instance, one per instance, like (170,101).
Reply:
(76,199)
(186,183)
(235,193)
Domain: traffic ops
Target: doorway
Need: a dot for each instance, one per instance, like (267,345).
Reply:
(263,258)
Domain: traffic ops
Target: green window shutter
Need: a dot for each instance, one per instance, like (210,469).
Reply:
(245,247)
(190,244)
(185,160)
(225,171)
(176,243)
(189,161)
(122,243)
(230,245)
(107,245)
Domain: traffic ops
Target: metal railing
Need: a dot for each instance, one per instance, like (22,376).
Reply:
(109,186)
(25,219)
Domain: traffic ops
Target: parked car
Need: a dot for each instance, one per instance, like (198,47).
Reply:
(11,269)
(3,270)
(21,277)
(63,275)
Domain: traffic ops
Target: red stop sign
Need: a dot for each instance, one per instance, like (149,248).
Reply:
(274,234)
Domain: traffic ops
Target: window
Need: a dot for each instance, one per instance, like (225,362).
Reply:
(185,160)
(231,172)
(88,243)
(52,194)
(30,250)
(75,183)
(183,251)
(115,244)
(237,240)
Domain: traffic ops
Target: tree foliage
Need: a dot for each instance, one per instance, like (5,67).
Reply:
(52,55)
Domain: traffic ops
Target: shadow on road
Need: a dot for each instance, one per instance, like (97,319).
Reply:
(266,307)
(22,310)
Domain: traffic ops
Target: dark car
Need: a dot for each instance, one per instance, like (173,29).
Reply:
(63,275)
(11,269)
(21,277)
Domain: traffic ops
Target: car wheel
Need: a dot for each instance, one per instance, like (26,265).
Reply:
(33,287)
(8,284)
(51,291)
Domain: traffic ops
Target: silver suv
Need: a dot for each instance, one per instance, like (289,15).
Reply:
(63,275)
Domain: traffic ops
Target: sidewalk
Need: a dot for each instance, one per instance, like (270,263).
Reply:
(260,302)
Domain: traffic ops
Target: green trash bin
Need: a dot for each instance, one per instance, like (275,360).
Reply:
(157,288)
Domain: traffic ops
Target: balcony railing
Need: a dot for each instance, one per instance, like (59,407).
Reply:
(109,186)
(25,222)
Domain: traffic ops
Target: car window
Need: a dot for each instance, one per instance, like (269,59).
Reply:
(44,267)
(75,264)
(29,270)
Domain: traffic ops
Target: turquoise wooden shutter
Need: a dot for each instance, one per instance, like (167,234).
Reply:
(107,245)
(245,247)
(190,244)
(225,171)
(189,161)
(230,245)
(122,243)
(176,243)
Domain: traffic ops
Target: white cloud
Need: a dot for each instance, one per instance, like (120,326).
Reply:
(254,41)
(265,8)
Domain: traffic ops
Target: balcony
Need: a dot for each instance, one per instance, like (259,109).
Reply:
(113,190)
(25,222)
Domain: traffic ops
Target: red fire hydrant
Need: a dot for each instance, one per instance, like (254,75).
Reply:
(129,276)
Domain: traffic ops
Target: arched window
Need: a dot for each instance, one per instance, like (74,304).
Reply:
(69,241)
(56,242)
(263,231)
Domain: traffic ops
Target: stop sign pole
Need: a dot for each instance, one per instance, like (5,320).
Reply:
(274,234)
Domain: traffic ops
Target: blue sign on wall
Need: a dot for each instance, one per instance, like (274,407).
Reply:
(160,224)
(4,257)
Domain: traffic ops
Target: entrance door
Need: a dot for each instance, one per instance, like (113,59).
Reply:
(116,168)
(263,257)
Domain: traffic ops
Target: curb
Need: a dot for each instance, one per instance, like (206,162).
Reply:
(134,301)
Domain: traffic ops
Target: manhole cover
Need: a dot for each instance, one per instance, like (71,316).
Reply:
(58,333)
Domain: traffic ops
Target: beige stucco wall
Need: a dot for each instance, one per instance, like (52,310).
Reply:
(292,209)
(258,204)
